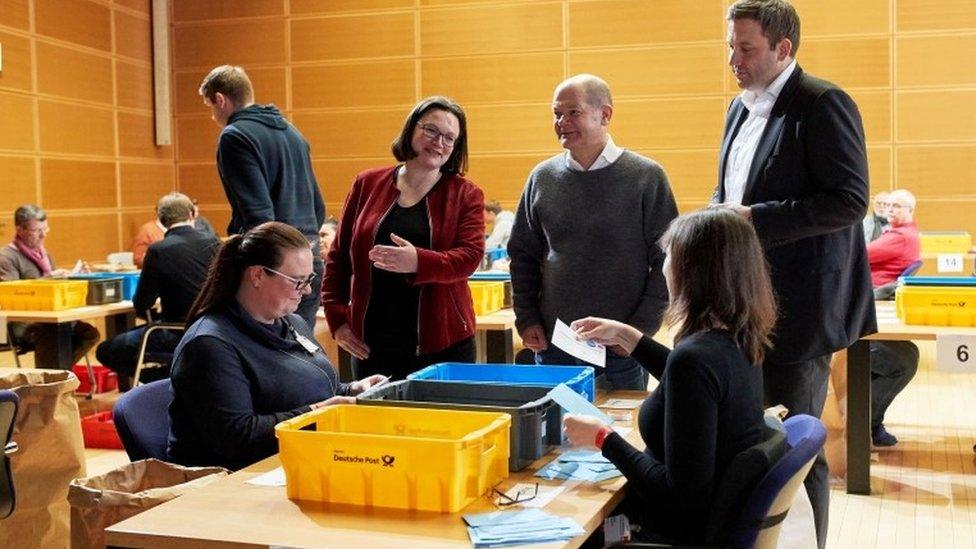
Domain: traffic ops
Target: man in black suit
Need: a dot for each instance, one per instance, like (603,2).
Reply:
(793,161)
(173,271)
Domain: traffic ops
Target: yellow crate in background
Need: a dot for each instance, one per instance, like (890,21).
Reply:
(958,242)
(405,458)
(487,296)
(936,305)
(43,294)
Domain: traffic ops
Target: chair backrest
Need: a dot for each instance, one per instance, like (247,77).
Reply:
(142,420)
(8,413)
(766,508)
(912,268)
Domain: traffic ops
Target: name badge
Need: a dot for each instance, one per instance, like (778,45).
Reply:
(306,343)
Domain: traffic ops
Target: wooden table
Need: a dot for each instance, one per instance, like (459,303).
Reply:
(230,513)
(119,317)
(859,389)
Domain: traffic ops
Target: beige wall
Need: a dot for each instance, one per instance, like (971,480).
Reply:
(76,127)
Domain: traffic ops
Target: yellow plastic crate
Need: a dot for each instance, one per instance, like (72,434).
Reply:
(487,296)
(946,242)
(405,458)
(43,294)
(936,305)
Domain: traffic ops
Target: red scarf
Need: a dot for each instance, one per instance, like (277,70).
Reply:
(37,255)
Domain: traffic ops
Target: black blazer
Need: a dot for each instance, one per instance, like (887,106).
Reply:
(808,192)
(174,270)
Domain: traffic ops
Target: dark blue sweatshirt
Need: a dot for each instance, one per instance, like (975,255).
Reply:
(266,170)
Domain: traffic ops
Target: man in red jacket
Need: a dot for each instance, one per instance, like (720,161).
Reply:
(898,247)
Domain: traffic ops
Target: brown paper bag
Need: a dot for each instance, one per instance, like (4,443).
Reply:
(101,501)
(48,431)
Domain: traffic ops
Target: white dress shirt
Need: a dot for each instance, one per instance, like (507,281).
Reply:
(610,154)
(743,147)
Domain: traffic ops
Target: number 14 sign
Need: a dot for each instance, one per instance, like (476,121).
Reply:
(956,353)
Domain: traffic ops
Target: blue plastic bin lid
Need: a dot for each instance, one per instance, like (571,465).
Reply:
(966,281)
(490,275)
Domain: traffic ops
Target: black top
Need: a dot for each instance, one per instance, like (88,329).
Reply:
(391,316)
(707,409)
(173,271)
(234,379)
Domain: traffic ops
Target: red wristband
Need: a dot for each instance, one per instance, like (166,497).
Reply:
(601,436)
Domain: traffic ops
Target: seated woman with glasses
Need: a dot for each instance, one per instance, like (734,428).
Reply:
(246,361)
(709,405)
(395,291)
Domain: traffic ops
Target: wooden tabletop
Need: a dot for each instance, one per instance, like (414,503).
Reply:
(890,327)
(68,315)
(499,320)
(230,513)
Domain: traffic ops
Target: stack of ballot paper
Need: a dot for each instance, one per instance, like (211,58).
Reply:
(504,528)
(583,465)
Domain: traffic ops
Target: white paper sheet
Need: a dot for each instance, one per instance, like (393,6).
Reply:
(590,351)
(274,477)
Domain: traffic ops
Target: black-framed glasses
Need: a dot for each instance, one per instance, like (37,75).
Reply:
(521,496)
(432,132)
(300,283)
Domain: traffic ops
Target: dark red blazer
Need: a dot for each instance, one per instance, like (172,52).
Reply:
(455,208)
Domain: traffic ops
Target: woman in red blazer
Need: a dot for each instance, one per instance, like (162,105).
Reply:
(395,290)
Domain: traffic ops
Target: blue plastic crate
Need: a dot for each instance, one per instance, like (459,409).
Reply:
(966,281)
(578,378)
(130,281)
(494,276)
(496,254)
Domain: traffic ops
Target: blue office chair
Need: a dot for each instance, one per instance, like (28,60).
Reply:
(8,413)
(886,292)
(754,516)
(154,359)
(141,418)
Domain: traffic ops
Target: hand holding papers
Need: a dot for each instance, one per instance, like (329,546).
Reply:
(590,351)
(573,403)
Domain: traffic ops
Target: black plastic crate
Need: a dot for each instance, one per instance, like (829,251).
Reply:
(102,290)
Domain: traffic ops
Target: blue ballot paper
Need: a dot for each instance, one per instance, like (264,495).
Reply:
(573,403)
(582,465)
(504,528)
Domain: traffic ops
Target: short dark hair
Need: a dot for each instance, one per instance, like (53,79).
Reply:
(493,206)
(27,212)
(229,80)
(777,18)
(263,245)
(174,208)
(718,277)
(458,161)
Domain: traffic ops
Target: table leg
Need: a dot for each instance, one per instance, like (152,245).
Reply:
(498,346)
(119,323)
(64,354)
(859,418)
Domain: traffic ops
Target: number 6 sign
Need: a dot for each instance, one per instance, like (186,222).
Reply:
(955,353)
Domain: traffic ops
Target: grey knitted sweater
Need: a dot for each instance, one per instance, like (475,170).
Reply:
(585,243)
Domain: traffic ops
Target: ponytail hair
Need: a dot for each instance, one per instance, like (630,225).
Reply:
(264,245)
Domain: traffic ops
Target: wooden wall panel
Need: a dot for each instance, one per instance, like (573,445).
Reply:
(134,85)
(517,129)
(15,13)
(82,236)
(133,36)
(933,15)
(503,177)
(937,170)
(372,84)
(849,63)
(840,17)
(196,138)
(201,182)
(70,73)
(16,124)
(212,44)
(82,22)
(141,6)
(305,7)
(879,168)
(491,29)
(67,128)
(875,108)
(492,79)
(195,10)
(74,184)
(336,38)
(137,137)
(219,217)
(694,69)
(16,73)
(19,183)
(335,177)
(945,214)
(692,173)
(144,184)
(350,133)
(668,124)
(627,22)
(936,60)
(269,87)
(936,116)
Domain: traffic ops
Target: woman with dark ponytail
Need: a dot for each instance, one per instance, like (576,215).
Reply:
(247,362)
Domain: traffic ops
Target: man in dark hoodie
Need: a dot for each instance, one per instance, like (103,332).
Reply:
(265,167)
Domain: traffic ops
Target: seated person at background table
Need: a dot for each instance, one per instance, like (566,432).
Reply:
(893,363)
(173,272)
(876,221)
(501,222)
(327,234)
(246,361)
(25,258)
(396,290)
(709,405)
(153,231)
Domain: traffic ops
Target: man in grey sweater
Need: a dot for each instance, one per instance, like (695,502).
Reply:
(585,237)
